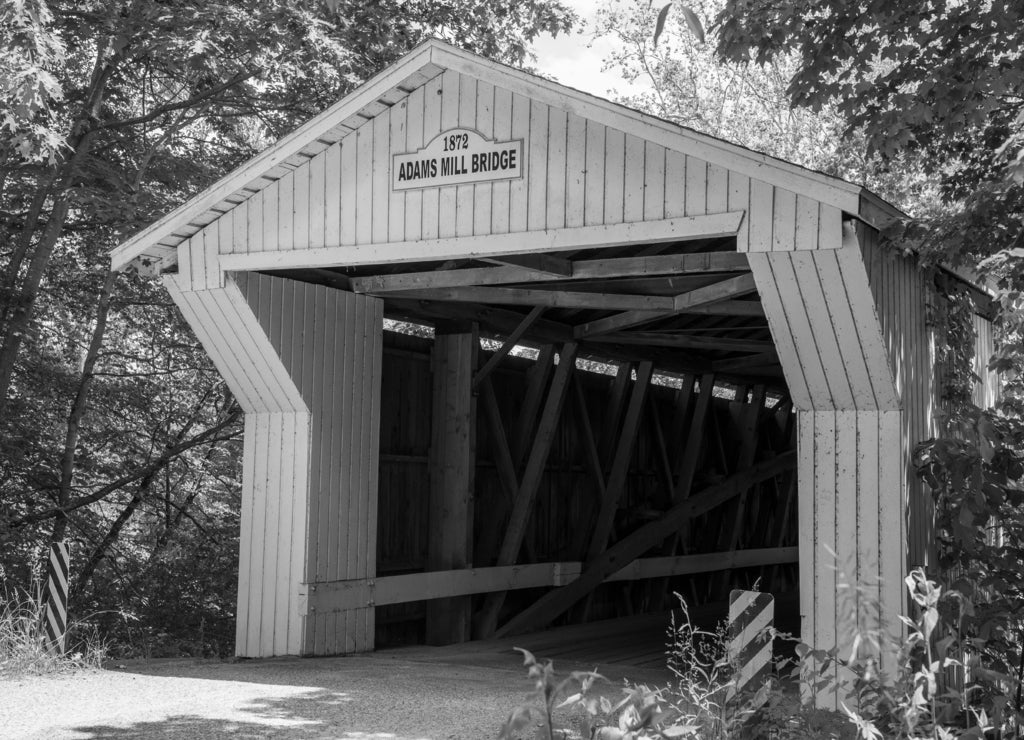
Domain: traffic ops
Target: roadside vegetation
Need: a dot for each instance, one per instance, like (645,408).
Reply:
(25,648)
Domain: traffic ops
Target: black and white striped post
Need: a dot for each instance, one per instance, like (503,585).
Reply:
(750,643)
(56,617)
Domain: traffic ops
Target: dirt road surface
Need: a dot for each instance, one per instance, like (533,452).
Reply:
(408,694)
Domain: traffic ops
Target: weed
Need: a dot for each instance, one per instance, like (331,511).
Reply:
(24,648)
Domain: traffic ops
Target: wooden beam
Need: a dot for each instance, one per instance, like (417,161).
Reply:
(539,262)
(523,505)
(616,408)
(684,341)
(620,465)
(666,264)
(452,466)
(547,298)
(593,465)
(537,381)
(555,602)
(728,308)
(720,291)
(495,359)
(498,320)
(508,481)
(338,596)
(732,520)
(760,359)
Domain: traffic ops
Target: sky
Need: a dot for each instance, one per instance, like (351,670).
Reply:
(575,60)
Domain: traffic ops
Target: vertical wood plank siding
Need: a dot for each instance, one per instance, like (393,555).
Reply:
(576,172)
(900,293)
(852,466)
(309,467)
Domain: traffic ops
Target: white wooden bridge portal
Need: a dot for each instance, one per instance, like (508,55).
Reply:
(773,367)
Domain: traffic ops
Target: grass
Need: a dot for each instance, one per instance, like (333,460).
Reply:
(24,649)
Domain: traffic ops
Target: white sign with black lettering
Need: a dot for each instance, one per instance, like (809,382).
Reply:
(457,157)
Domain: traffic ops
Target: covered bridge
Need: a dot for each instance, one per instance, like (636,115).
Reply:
(722,377)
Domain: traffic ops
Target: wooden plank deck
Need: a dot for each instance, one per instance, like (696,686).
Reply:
(632,647)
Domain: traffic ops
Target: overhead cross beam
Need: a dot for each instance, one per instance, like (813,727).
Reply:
(581,270)
(539,262)
(709,294)
(546,298)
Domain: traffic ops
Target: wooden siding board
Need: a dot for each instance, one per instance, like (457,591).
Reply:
(615,176)
(257,582)
(718,189)
(271,198)
(519,194)
(576,171)
(824,492)
(286,211)
(332,195)
(501,190)
(364,185)
(451,90)
(847,494)
(892,535)
(594,177)
(828,343)
(464,210)
(556,168)
(805,344)
(866,321)
(868,543)
(806,521)
(675,184)
(276,476)
(245,536)
(347,191)
(483,193)
(413,220)
(380,181)
(782,334)
(739,200)
(654,181)
(696,186)
(398,139)
(633,182)
(838,304)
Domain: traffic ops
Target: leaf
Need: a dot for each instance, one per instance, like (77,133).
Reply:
(570,700)
(693,22)
(659,26)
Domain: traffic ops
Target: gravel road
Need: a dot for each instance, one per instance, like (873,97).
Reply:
(392,695)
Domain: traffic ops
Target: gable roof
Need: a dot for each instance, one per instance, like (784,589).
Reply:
(156,245)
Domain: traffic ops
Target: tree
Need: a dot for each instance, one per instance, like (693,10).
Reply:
(115,430)
(940,85)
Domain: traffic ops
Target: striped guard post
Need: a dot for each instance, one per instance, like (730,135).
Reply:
(750,646)
(56,624)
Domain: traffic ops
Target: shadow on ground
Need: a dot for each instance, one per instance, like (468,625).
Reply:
(301,716)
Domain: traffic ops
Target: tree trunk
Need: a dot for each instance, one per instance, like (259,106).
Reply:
(79,406)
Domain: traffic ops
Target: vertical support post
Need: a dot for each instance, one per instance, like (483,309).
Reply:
(452,465)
